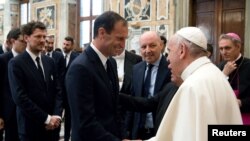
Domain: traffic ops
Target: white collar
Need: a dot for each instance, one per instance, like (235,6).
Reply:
(101,56)
(194,66)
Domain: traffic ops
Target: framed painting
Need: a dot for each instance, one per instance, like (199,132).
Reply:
(137,10)
(47,15)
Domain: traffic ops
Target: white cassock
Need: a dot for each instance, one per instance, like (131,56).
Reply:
(205,97)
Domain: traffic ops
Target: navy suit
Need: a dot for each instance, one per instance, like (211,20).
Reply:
(60,64)
(35,97)
(162,78)
(93,100)
(8,105)
(60,68)
(1,49)
(67,117)
(1,110)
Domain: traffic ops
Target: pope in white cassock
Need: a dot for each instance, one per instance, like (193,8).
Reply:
(205,96)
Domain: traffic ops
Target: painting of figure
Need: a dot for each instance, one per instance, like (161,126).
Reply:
(47,15)
(137,10)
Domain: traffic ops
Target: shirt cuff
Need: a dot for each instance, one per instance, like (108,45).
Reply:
(48,119)
(227,77)
(59,117)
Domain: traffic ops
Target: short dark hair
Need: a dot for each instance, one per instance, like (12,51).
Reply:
(14,34)
(58,49)
(163,38)
(107,20)
(29,28)
(210,48)
(69,38)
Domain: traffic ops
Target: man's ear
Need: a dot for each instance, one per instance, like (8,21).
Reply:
(25,37)
(183,50)
(101,32)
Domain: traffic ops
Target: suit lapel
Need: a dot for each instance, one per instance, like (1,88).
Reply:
(32,65)
(161,74)
(140,74)
(93,57)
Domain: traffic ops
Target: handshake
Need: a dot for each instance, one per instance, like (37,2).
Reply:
(54,122)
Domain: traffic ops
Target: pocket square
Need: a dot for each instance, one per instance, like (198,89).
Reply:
(51,77)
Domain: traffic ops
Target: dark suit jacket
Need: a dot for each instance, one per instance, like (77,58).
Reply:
(162,78)
(60,64)
(1,49)
(9,107)
(244,82)
(34,97)
(93,104)
(73,55)
(158,104)
(71,58)
(130,60)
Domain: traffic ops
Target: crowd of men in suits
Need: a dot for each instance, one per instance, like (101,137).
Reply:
(105,93)
(33,94)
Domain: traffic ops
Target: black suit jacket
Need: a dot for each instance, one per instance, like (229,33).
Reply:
(163,77)
(35,99)
(93,103)
(8,105)
(158,104)
(243,70)
(72,56)
(130,60)
(1,49)
(60,64)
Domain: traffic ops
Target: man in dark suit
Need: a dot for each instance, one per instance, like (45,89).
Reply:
(55,55)
(5,47)
(164,42)
(69,56)
(8,106)
(150,47)
(59,61)
(92,83)
(35,88)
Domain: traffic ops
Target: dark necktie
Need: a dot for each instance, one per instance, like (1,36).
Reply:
(146,93)
(39,67)
(110,75)
(148,80)
(65,60)
(48,54)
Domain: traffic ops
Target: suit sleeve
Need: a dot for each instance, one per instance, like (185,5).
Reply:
(138,104)
(58,108)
